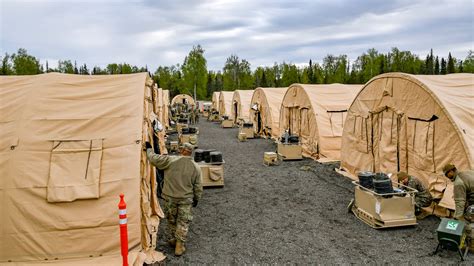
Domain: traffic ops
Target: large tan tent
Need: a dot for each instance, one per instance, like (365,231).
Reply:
(316,113)
(70,144)
(265,111)
(215,100)
(183,98)
(241,105)
(225,102)
(166,110)
(417,124)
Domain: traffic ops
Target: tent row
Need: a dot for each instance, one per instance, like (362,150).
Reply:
(315,113)
(70,145)
(395,122)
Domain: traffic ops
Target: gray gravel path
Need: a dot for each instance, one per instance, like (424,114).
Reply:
(284,214)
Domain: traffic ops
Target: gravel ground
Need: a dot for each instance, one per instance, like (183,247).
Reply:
(292,213)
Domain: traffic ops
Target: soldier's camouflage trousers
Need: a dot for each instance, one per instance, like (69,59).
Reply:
(422,201)
(179,217)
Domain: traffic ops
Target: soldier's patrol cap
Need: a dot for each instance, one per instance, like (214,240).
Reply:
(402,175)
(188,146)
(448,167)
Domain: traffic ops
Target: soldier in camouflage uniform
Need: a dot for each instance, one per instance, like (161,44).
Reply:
(423,197)
(192,115)
(463,182)
(182,188)
(196,118)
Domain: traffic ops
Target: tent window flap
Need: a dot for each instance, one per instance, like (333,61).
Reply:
(74,171)
(422,142)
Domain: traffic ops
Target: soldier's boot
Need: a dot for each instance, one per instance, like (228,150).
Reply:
(172,242)
(179,249)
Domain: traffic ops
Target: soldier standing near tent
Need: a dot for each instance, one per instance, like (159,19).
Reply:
(463,183)
(423,197)
(193,116)
(182,189)
(196,115)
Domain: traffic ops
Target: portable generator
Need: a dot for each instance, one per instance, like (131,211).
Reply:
(452,236)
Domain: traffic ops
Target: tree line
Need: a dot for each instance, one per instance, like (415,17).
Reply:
(192,76)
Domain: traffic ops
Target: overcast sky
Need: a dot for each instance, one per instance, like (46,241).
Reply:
(153,33)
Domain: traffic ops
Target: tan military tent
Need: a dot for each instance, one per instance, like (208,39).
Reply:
(202,104)
(183,98)
(225,102)
(69,145)
(265,111)
(166,110)
(215,100)
(417,124)
(316,113)
(241,105)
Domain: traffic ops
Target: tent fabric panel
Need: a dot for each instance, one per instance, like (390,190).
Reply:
(166,104)
(225,102)
(215,100)
(242,98)
(105,108)
(429,133)
(326,106)
(269,101)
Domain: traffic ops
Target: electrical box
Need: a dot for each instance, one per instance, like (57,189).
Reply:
(270,158)
(189,138)
(212,175)
(242,137)
(227,124)
(248,131)
(290,151)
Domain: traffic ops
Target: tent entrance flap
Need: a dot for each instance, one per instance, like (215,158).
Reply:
(421,142)
(259,122)
(236,111)
(386,140)
(294,120)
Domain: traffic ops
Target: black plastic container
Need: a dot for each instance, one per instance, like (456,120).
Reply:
(382,184)
(216,157)
(192,130)
(185,130)
(198,155)
(293,139)
(206,155)
(366,179)
(247,125)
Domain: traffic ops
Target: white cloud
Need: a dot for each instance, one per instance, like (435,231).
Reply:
(262,31)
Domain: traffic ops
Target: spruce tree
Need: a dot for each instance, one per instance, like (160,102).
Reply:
(263,82)
(443,66)
(450,64)
(436,71)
